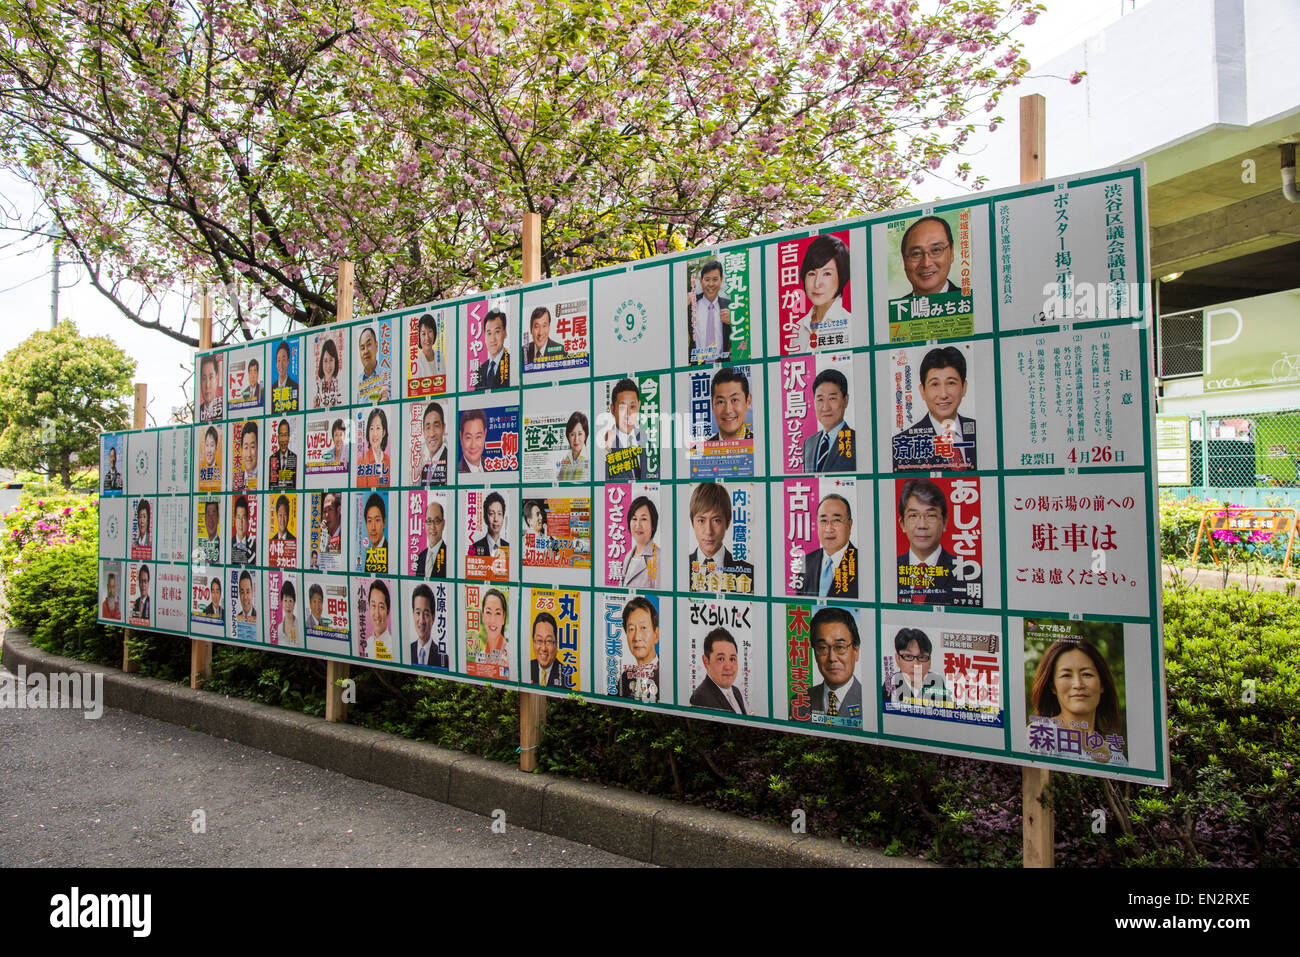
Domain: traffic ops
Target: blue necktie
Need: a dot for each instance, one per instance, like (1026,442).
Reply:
(823,451)
(828,572)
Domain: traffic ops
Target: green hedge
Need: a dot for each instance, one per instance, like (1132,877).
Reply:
(1233,802)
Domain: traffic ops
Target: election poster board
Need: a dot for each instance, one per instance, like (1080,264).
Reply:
(888,480)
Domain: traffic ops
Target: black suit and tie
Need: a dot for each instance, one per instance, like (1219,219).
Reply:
(709,695)
(840,456)
(554,680)
(812,575)
(494,375)
(433,657)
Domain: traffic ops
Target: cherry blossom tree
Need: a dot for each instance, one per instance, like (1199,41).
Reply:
(251,144)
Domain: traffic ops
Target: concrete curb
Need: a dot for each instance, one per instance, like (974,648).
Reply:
(623,822)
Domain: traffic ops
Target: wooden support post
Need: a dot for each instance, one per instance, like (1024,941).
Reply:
(336,709)
(1039,849)
(201,651)
(1033,138)
(129,664)
(1039,819)
(532,707)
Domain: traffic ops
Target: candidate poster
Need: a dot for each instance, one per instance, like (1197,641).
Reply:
(428,556)
(820,553)
(284,620)
(819,429)
(243,588)
(207,531)
(327,617)
(327,446)
(376,620)
(487,631)
(370,537)
(556,329)
(718,300)
(485,533)
(426,352)
(373,357)
(326,513)
(629,647)
(112,461)
(487,352)
(246,380)
(172,592)
(142,528)
(557,533)
(628,428)
(428,613)
(555,643)
(934,407)
(282,530)
(111,585)
(488,440)
(814,294)
(721,406)
(1075,689)
(429,454)
(633,556)
(140,593)
(941,672)
(209,456)
(376,444)
(725,657)
(723,529)
(211,388)
(286,375)
(207,604)
(245,462)
(939,541)
(929,266)
(284,451)
(328,375)
(243,530)
(555,434)
(824,667)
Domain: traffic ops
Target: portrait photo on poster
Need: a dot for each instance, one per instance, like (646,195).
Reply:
(814,297)
(934,401)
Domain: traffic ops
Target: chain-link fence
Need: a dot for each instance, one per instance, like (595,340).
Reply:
(1245,449)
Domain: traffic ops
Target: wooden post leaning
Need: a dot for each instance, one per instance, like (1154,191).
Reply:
(1039,821)
(201,651)
(532,707)
(129,664)
(336,708)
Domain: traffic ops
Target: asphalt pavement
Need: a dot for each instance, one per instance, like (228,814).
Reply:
(126,790)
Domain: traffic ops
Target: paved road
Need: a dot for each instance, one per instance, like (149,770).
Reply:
(121,790)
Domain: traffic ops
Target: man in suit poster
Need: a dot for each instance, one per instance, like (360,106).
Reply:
(711,567)
(544,668)
(833,447)
(836,646)
(927,572)
(431,561)
(721,664)
(942,438)
(426,651)
(832,570)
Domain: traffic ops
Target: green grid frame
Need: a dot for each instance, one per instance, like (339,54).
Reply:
(768,484)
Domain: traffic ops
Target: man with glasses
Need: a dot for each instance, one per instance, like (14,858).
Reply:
(836,646)
(545,669)
(913,681)
(927,256)
(927,572)
(832,570)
